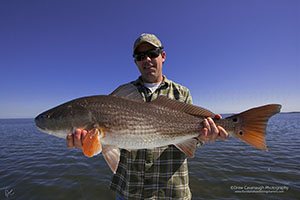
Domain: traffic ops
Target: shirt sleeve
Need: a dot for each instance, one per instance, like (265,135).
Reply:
(188,99)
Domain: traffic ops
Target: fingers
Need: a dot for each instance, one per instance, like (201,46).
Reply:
(211,131)
(223,133)
(214,130)
(70,141)
(76,139)
(203,135)
(83,134)
(206,125)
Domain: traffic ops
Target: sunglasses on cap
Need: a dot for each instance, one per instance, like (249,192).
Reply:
(151,54)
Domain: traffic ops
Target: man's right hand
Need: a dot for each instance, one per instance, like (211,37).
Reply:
(76,139)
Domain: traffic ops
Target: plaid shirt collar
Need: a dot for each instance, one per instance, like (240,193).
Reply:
(164,84)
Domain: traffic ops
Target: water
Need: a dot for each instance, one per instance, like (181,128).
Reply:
(34,165)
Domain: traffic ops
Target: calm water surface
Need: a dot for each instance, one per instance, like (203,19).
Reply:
(35,165)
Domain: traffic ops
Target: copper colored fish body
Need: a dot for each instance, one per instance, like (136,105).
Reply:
(114,122)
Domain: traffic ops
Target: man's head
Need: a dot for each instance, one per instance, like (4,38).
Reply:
(149,57)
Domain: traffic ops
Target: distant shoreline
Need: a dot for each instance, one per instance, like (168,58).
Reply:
(295,112)
(31,118)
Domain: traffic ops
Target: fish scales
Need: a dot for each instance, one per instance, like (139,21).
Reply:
(113,122)
(142,122)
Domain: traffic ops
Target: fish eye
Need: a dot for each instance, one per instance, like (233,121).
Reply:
(234,119)
(47,116)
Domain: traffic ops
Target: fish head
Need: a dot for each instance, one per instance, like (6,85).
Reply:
(63,119)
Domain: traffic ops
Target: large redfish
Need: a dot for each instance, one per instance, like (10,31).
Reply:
(114,122)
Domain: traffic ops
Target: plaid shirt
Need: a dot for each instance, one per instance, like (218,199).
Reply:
(159,173)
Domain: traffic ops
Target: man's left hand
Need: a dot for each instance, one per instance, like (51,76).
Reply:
(211,131)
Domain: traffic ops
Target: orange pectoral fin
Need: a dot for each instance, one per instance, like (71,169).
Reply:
(91,144)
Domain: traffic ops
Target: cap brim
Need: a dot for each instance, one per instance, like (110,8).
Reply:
(138,44)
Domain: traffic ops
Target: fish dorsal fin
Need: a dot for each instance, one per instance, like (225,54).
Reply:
(182,107)
(128,91)
(111,155)
(188,147)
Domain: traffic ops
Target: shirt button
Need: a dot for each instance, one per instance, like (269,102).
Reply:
(148,162)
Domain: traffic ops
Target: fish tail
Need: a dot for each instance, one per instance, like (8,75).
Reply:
(251,125)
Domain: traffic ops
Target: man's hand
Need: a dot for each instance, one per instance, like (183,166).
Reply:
(211,131)
(76,139)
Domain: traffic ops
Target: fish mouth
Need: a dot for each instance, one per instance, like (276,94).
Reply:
(44,124)
(41,129)
(61,133)
(38,122)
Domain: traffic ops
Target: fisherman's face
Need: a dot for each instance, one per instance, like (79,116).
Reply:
(150,68)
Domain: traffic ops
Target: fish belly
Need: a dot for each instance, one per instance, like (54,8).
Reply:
(143,140)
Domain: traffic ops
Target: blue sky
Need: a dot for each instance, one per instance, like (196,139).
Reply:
(231,54)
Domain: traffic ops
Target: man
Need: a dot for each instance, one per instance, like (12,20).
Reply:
(159,173)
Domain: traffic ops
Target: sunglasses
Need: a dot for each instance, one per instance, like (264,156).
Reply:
(151,54)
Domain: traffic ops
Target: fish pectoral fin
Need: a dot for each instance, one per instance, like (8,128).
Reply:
(91,143)
(111,155)
(188,147)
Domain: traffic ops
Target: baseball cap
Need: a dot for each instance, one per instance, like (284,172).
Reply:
(149,38)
